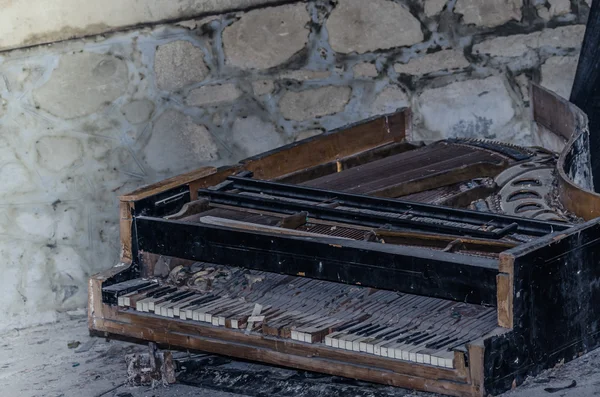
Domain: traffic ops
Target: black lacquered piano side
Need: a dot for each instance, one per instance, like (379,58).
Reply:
(385,266)
(556,307)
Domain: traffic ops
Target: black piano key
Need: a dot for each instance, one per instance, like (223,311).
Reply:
(174,295)
(393,334)
(369,330)
(375,330)
(403,337)
(423,338)
(359,328)
(200,301)
(350,325)
(146,288)
(187,294)
(441,343)
(171,299)
(111,293)
(163,292)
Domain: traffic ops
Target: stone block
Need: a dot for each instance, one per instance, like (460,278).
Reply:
(23,23)
(364,26)
(562,37)
(442,60)
(517,45)
(389,100)
(558,74)
(365,69)
(489,13)
(266,37)
(178,64)
(262,87)
(523,82)
(253,135)
(307,134)
(17,267)
(507,46)
(312,103)
(178,144)
(58,153)
(19,79)
(82,84)
(69,278)
(559,7)
(34,223)
(137,112)
(213,95)
(469,109)
(434,7)
(544,13)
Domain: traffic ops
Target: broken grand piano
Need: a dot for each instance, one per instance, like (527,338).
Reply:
(457,267)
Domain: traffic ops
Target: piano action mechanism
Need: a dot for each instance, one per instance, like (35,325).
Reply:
(458,267)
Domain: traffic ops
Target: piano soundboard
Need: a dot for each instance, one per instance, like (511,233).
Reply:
(438,267)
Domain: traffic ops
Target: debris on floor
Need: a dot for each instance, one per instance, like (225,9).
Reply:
(150,369)
(86,346)
(74,344)
(557,389)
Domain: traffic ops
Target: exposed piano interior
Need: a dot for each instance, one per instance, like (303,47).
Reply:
(448,267)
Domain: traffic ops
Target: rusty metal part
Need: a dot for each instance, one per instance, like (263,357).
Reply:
(528,194)
(541,160)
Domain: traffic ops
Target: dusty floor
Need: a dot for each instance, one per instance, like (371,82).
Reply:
(38,362)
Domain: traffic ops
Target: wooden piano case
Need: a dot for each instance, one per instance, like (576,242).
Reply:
(358,211)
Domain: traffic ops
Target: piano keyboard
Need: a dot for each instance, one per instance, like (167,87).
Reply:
(384,323)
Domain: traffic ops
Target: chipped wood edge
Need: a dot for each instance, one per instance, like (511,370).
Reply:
(476,352)
(212,179)
(330,147)
(167,184)
(97,309)
(95,305)
(505,290)
(125,224)
(460,364)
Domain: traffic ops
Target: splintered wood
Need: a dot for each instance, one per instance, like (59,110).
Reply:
(150,369)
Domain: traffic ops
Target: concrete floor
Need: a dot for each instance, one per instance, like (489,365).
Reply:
(36,362)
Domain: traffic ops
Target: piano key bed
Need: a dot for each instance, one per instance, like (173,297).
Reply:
(364,320)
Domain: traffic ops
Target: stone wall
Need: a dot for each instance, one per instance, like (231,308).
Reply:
(32,22)
(83,121)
